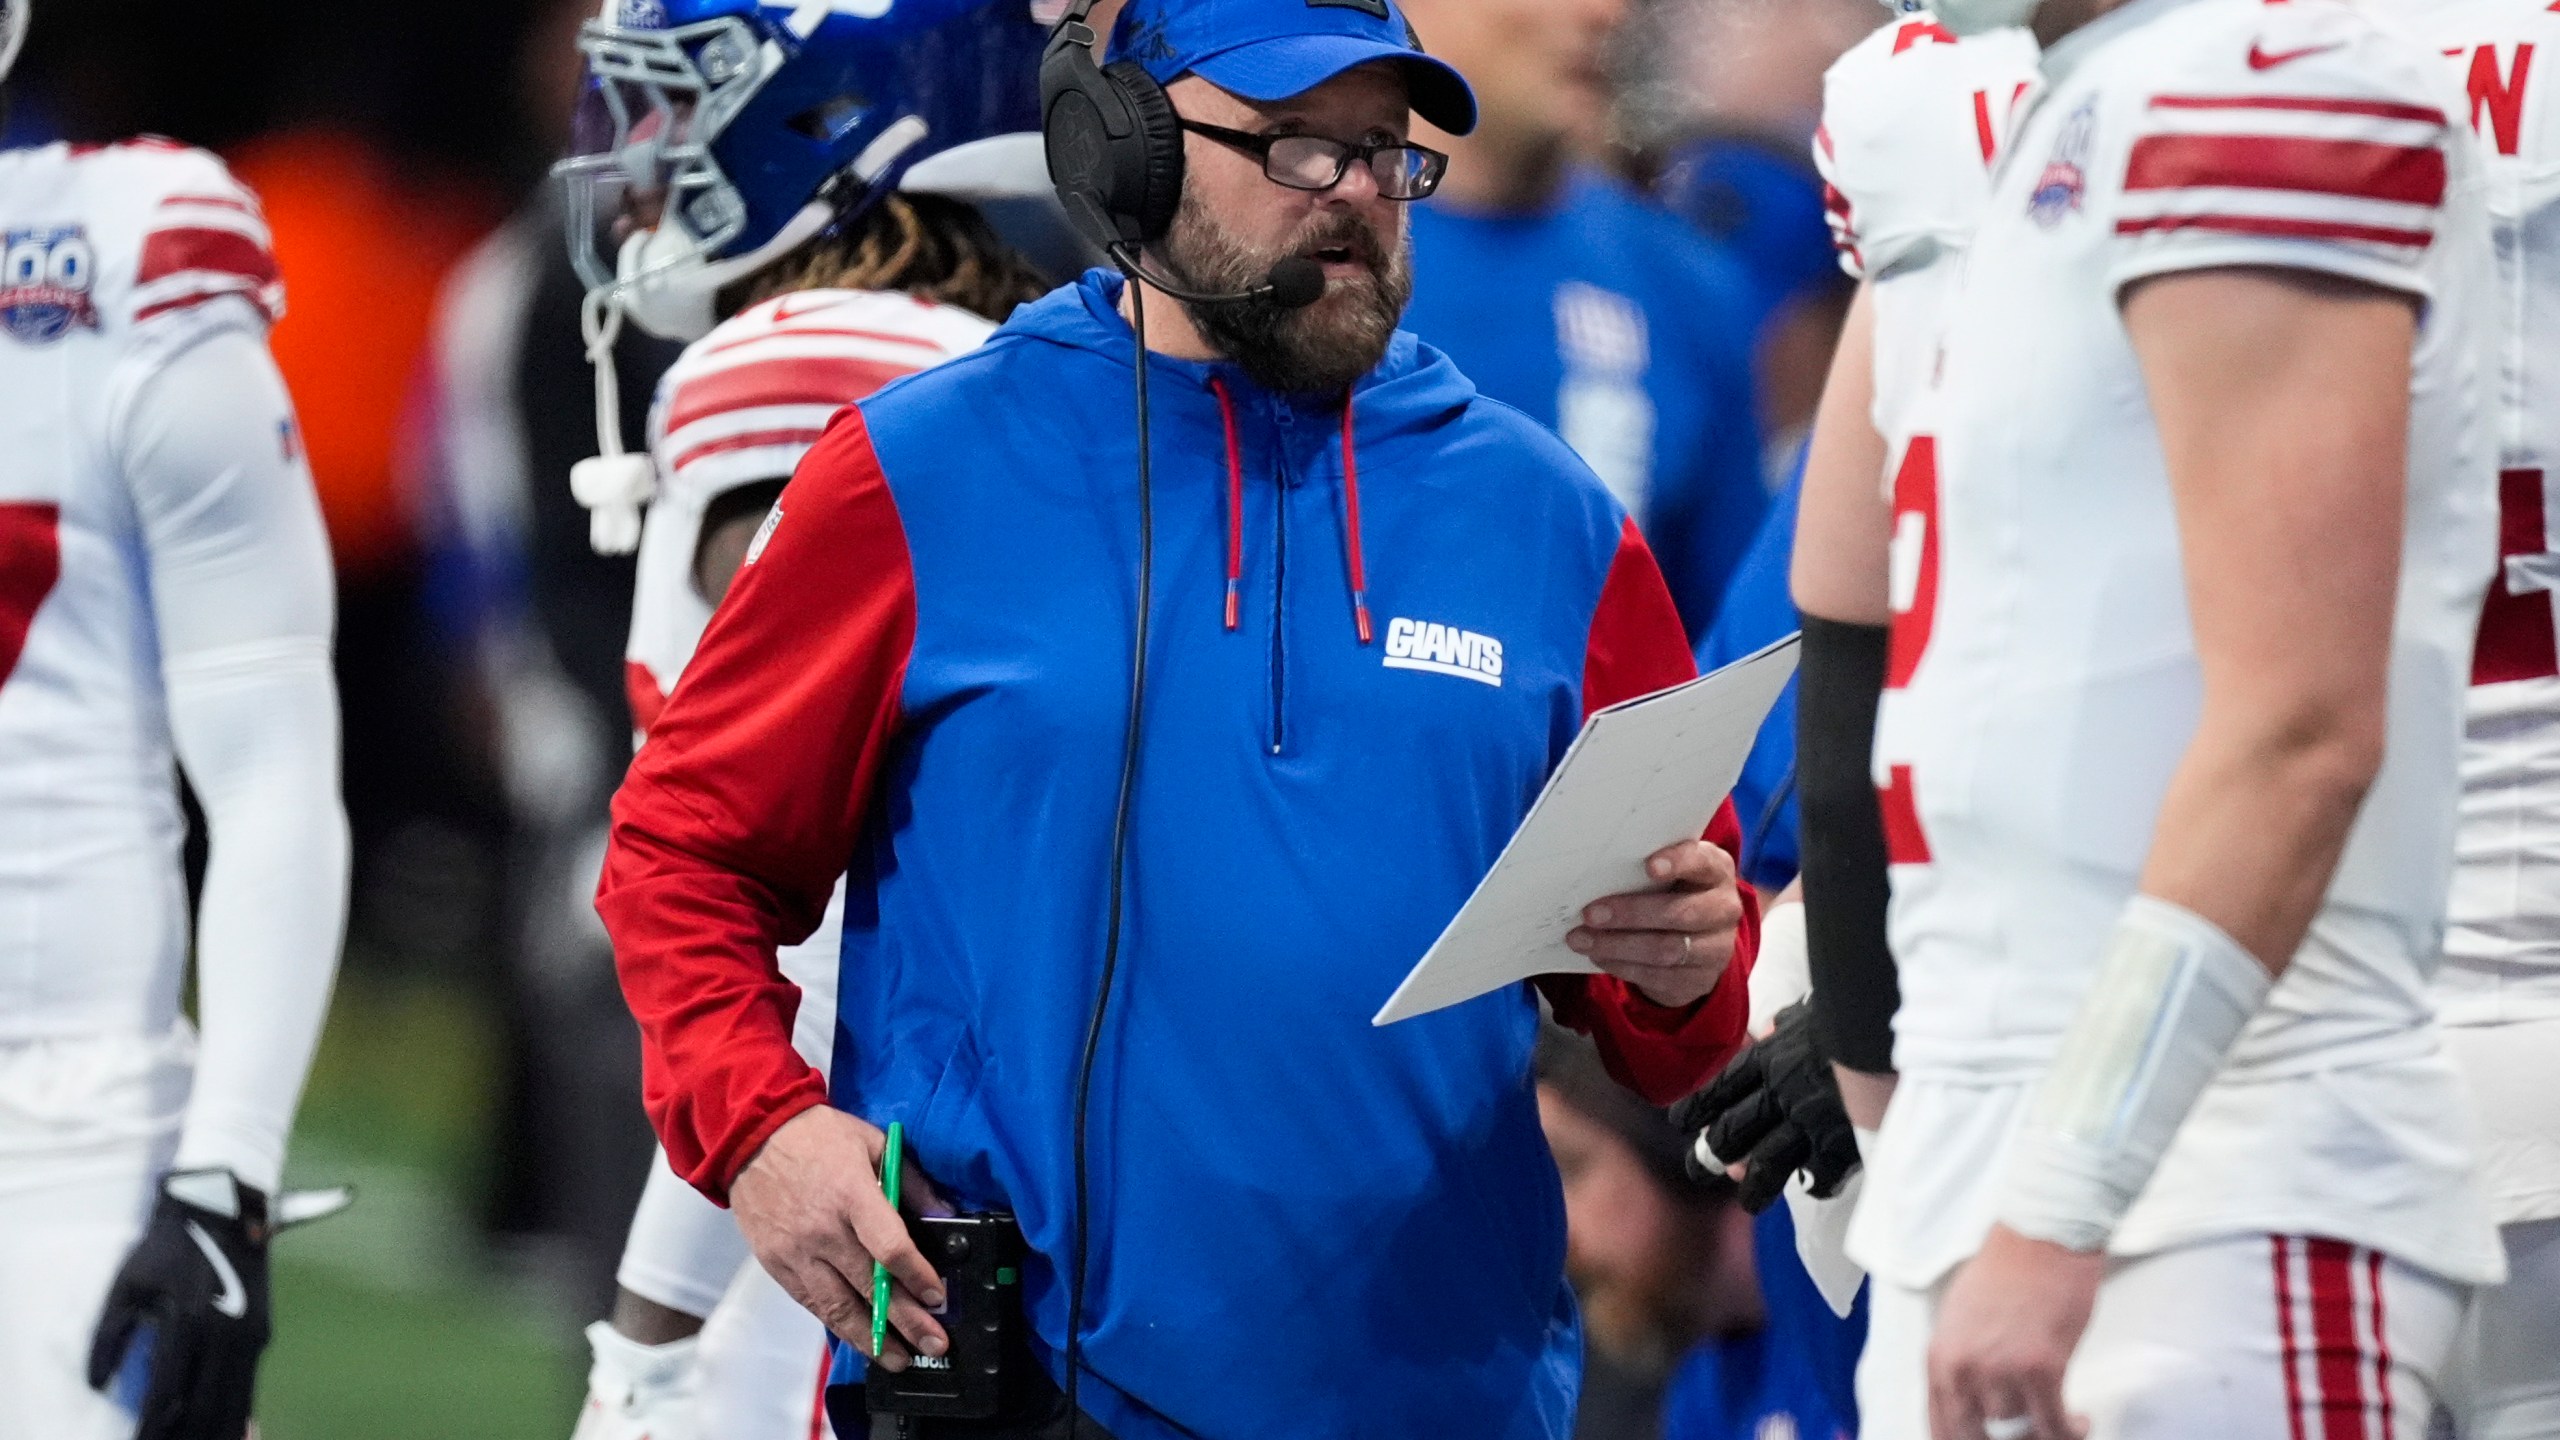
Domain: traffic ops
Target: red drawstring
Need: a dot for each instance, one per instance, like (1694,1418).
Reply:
(1235,515)
(1351,538)
(1235,502)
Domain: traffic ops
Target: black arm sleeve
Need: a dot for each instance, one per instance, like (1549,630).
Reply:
(1855,991)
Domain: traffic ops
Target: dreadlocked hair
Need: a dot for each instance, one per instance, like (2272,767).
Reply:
(929,246)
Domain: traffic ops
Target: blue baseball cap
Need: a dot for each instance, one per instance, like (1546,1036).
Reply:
(1268,50)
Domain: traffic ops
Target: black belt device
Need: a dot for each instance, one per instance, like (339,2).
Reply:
(982,1376)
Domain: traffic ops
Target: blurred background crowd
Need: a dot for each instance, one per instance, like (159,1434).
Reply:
(1665,297)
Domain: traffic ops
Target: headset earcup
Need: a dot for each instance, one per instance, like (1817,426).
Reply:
(1149,191)
(1077,137)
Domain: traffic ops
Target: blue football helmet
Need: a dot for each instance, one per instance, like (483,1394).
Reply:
(749,126)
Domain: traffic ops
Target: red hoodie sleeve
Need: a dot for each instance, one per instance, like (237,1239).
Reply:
(1637,646)
(745,805)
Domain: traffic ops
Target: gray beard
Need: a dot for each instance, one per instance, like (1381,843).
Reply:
(1319,349)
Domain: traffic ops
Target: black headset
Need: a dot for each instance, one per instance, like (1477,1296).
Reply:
(1114,142)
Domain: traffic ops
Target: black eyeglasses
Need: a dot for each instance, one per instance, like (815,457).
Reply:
(1317,162)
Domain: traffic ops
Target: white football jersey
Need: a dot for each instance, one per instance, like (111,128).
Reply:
(1912,122)
(2502,950)
(741,406)
(2046,672)
(112,259)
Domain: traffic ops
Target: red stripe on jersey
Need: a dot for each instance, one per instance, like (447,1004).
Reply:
(883,336)
(2339,1357)
(2312,104)
(2281,228)
(2517,639)
(752,440)
(30,563)
(199,297)
(798,380)
(2291,1350)
(1822,137)
(224,202)
(1905,842)
(2356,169)
(1982,130)
(182,248)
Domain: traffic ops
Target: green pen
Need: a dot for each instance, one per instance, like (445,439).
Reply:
(879,1269)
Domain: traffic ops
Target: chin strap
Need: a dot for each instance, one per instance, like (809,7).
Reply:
(612,484)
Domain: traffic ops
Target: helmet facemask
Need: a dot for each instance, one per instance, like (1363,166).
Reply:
(642,150)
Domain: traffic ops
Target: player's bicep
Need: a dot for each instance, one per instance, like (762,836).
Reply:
(212,457)
(2282,399)
(1844,522)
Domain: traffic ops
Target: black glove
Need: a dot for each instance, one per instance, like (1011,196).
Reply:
(199,1279)
(1777,1109)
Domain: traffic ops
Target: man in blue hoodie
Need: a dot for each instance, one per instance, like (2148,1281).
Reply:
(1381,606)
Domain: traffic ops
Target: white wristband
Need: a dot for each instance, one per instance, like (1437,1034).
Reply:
(2172,995)
(1782,973)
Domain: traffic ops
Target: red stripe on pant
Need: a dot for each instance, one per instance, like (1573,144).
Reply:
(2292,1349)
(2381,1339)
(2340,1356)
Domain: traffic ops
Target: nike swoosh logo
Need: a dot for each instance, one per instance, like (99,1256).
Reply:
(233,1302)
(2261,60)
(782,314)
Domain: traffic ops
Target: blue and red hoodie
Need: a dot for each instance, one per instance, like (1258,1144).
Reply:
(1375,629)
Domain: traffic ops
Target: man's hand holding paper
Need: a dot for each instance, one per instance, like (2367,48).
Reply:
(1673,943)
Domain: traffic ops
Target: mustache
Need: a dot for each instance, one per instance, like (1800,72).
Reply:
(1355,238)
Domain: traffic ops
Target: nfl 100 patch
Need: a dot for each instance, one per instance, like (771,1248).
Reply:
(45,280)
(2064,185)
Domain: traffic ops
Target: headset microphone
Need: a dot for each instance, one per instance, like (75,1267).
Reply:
(1294,284)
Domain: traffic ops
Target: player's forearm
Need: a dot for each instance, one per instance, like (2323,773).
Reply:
(258,732)
(2259,812)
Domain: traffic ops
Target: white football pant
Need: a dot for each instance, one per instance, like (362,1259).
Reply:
(2257,1337)
(87,1126)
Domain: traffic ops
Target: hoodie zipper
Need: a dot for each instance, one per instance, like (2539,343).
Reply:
(1285,483)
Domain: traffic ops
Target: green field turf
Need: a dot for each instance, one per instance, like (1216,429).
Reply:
(391,1324)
